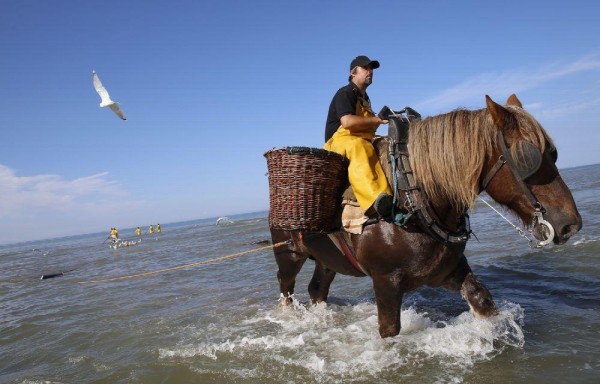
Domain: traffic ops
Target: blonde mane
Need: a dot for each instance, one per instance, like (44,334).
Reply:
(448,151)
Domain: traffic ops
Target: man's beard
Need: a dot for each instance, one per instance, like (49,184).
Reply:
(368,80)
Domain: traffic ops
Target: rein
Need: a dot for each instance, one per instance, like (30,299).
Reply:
(520,231)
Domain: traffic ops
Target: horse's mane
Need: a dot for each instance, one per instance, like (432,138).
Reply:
(448,151)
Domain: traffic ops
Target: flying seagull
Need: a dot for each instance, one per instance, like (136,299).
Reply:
(106,101)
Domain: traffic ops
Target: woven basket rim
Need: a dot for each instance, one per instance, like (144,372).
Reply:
(299,150)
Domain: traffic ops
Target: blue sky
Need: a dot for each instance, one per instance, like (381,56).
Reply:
(209,86)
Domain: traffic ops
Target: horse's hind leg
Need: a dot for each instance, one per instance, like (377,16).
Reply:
(289,263)
(472,290)
(318,288)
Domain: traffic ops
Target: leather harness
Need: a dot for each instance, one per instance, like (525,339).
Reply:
(416,202)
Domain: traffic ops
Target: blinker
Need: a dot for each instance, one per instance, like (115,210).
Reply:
(530,162)
(531,159)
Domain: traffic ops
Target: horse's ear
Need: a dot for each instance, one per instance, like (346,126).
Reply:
(500,115)
(514,100)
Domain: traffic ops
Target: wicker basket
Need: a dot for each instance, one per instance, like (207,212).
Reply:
(305,187)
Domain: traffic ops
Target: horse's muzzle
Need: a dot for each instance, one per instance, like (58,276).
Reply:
(565,232)
(564,228)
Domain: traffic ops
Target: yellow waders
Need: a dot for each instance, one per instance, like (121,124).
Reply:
(364,172)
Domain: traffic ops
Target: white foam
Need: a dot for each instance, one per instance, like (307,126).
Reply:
(343,341)
(585,240)
(29,381)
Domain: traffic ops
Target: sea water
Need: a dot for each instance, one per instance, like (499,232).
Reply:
(218,322)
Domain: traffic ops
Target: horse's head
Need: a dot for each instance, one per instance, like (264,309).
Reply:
(522,175)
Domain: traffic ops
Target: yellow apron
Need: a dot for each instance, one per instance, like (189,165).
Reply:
(364,172)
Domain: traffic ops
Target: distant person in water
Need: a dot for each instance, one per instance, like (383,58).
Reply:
(158,228)
(138,231)
(114,233)
(151,230)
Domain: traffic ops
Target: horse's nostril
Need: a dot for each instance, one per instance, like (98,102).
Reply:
(569,230)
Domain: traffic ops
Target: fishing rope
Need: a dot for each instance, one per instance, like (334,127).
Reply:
(156,272)
(518,229)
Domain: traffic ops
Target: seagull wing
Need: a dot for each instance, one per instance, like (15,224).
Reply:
(115,108)
(100,89)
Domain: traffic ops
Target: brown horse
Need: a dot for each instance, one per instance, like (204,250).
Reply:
(454,156)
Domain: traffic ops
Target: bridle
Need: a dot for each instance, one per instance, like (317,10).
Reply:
(534,158)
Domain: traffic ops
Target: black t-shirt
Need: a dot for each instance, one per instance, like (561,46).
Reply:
(343,103)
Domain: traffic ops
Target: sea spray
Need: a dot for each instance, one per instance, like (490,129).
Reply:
(333,343)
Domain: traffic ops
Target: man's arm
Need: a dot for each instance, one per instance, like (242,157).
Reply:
(355,123)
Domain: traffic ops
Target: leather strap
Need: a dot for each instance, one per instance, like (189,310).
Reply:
(339,240)
(415,200)
(506,158)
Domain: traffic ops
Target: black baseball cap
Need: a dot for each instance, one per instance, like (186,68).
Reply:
(364,61)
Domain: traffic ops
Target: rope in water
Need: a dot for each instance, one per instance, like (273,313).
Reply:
(156,272)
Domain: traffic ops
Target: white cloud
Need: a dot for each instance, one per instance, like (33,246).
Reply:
(50,192)
(505,83)
(533,106)
(567,112)
(568,109)
(41,206)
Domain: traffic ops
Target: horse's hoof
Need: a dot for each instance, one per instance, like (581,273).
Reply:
(285,301)
(485,313)
(388,332)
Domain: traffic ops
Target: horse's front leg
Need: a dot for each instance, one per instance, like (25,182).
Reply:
(472,290)
(318,288)
(388,295)
(479,298)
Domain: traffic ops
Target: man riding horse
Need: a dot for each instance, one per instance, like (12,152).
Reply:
(454,157)
(350,127)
